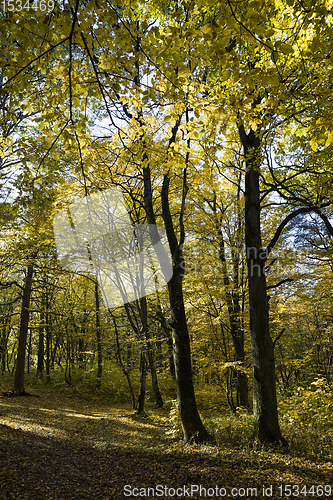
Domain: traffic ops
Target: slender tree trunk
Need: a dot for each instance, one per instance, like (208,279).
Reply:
(80,355)
(140,405)
(122,364)
(68,374)
(242,390)
(3,351)
(172,368)
(83,333)
(72,352)
(152,368)
(40,357)
(168,335)
(4,340)
(55,346)
(242,379)
(142,335)
(29,352)
(159,354)
(190,418)
(233,305)
(228,390)
(9,359)
(264,387)
(192,425)
(98,337)
(129,356)
(18,388)
(47,330)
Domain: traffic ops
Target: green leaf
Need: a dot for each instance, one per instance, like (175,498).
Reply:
(286,48)
(274,56)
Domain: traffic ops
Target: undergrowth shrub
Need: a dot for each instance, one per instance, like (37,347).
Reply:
(234,430)
(228,430)
(306,419)
(174,426)
(113,385)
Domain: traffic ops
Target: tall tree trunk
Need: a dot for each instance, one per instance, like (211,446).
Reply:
(29,352)
(228,390)
(140,406)
(82,343)
(98,337)
(18,388)
(4,339)
(234,312)
(48,346)
(40,356)
(3,350)
(129,356)
(172,368)
(152,368)
(192,425)
(68,373)
(168,337)
(242,390)
(264,388)
(55,349)
(159,353)
(121,362)
(9,359)
(80,355)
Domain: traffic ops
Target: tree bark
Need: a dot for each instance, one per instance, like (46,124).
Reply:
(98,337)
(47,331)
(228,391)
(18,388)
(168,337)
(171,360)
(6,327)
(234,312)
(264,387)
(29,353)
(152,368)
(122,364)
(192,425)
(40,357)
(140,406)
(68,373)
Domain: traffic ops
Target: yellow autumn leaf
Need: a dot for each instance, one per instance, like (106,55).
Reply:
(314,145)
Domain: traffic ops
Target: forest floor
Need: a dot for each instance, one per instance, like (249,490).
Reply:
(53,446)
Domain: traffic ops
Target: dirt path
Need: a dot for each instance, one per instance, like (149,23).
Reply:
(55,447)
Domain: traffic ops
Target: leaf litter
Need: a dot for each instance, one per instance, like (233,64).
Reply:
(56,447)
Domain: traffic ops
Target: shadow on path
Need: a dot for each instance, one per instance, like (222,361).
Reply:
(63,449)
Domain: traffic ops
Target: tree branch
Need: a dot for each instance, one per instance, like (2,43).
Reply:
(10,283)
(302,210)
(279,336)
(287,280)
